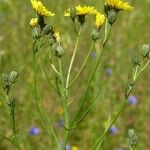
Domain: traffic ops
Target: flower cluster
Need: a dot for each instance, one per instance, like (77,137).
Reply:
(41,9)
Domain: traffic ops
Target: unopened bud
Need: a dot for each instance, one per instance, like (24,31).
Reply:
(112,16)
(132,138)
(95,34)
(136,61)
(13,76)
(58,50)
(145,50)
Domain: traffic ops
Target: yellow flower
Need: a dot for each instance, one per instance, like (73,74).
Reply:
(119,5)
(85,10)
(100,18)
(33,22)
(81,10)
(40,8)
(74,148)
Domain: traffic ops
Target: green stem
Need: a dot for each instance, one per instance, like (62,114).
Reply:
(73,57)
(107,31)
(42,116)
(135,73)
(88,109)
(11,105)
(83,64)
(148,62)
(52,65)
(65,91)
(13,122)
(63,94)
(48,79)
(65,106)
(99,141)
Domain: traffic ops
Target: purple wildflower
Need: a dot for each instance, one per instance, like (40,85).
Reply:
(132,100)
(34,131)
(113,130)
(68,147)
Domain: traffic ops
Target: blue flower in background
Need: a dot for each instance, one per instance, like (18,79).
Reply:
(113,130)
(68,147)
(93,54)
(108,71)
(132,100)
(34,131)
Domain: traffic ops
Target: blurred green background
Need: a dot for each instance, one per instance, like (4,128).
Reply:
(131,30)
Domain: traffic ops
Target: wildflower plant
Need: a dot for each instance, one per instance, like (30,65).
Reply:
(63,81)
(43,33)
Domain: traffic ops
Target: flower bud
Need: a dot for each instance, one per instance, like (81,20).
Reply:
(136,61)
(145,51)
(112,16)
(13,77)
(58,50)
(95,34)
(132,138)
(33,22)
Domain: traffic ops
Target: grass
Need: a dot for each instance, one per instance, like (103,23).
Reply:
(129,32)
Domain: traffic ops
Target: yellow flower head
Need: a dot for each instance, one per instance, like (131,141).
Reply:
(85,10)
(81,10)
(33,22)
(100,18)
(118,5)
(74,148)
(41,9)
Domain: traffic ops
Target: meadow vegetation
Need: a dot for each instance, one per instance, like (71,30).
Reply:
(28,76)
